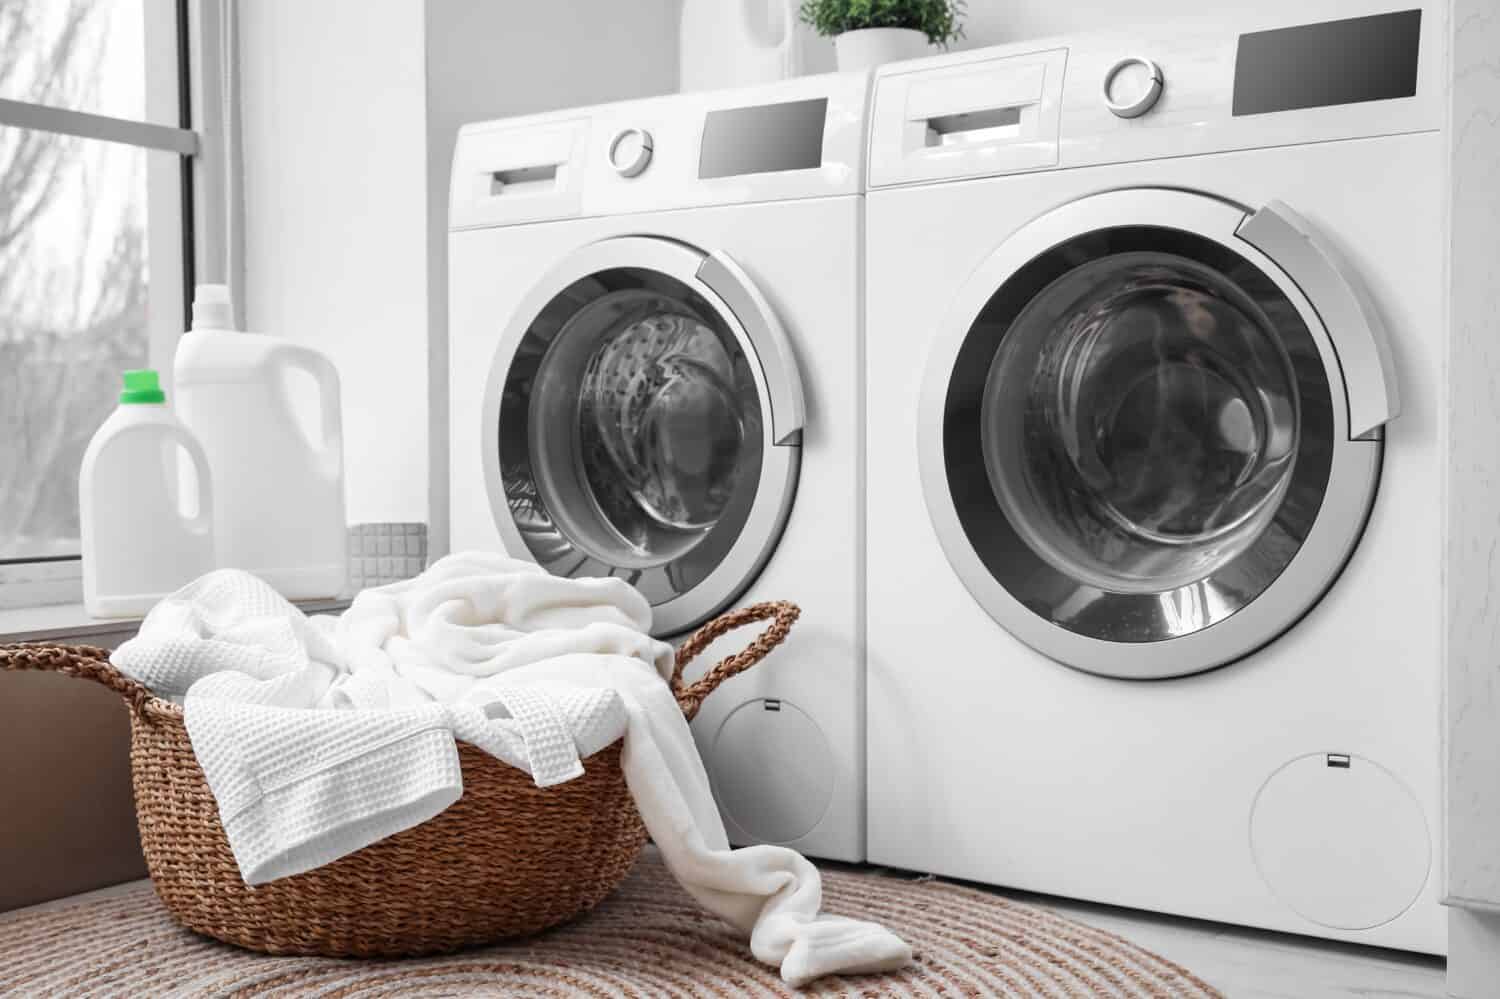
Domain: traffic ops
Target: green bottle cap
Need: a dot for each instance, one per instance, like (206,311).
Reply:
(142,385)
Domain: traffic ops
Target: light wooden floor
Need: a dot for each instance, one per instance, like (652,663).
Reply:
(1258,964)
(1241,963)
(1255,964)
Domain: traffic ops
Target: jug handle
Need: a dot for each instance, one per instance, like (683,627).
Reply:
(184,438)
(327,376)
(790,12)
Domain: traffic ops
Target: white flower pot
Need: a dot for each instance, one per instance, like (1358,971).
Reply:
(871,47)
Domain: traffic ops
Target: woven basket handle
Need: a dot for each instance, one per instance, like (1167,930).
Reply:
(84,661)
(782,614)
(89,662)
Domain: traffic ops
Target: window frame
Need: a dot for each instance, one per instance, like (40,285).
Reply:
(185,42)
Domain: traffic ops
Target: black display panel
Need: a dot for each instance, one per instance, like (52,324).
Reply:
(767,138)
(1336,62)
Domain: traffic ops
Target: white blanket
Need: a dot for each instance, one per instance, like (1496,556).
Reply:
(539,671)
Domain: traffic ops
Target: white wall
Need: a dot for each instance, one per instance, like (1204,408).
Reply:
(996,22)
(1472,566)
(992,22)
(335,242)
(497,58)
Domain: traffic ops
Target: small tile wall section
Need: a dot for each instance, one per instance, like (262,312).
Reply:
(385,553)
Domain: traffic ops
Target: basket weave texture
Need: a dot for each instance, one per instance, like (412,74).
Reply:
(507,859)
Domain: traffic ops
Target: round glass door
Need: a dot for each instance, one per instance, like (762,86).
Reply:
(632,436)
(1142,419)
(1141,426)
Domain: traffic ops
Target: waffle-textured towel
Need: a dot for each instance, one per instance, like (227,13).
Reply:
(319,736)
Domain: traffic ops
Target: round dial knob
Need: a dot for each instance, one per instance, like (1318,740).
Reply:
(1132,95)
(630,151)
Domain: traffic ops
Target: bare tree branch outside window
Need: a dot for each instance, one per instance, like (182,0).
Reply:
(73,269)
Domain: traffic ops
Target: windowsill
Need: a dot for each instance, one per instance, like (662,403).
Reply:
(71,622)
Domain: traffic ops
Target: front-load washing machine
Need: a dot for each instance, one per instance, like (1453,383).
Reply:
(1155,356)
(655,374)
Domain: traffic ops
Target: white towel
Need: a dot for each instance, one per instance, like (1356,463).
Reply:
(541,672)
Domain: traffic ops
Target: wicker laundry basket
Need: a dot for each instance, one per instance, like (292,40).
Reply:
(507,859)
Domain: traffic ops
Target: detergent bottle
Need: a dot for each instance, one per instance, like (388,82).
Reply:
(144,535)
(278,484)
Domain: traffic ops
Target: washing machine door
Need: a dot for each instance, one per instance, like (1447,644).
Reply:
(643,419)
(1151,429)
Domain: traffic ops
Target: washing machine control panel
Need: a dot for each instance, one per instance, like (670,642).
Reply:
(630,151)
(1132,86)
(1249,82)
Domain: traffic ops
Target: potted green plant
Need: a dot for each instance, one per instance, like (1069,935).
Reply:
(867,33)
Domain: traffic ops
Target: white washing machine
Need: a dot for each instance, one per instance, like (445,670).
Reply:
(1155,342)
(655,367)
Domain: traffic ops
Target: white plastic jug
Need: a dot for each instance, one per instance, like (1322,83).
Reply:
(278,490)
(735,43)
(139,543)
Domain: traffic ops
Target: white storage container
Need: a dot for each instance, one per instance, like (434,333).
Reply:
(278,487)
(140,541)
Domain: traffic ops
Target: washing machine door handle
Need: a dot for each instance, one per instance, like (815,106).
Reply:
(1349,315)
(773,350)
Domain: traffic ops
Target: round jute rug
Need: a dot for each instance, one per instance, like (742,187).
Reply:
(649,939)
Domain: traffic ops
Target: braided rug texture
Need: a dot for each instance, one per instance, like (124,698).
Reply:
(649,939)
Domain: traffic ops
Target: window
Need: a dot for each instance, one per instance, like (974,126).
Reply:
(95,258)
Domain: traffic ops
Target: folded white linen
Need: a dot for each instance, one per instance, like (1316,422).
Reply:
(320,736)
